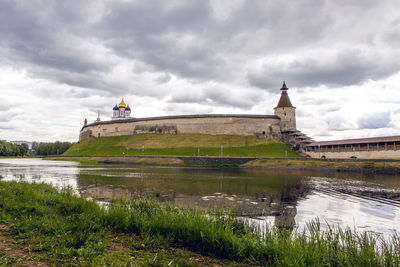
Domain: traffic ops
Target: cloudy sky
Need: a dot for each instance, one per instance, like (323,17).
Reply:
(64,61)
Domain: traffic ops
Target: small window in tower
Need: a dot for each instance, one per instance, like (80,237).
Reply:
(284,113)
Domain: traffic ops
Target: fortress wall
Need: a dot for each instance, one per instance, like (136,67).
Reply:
(382,154)
(268,126)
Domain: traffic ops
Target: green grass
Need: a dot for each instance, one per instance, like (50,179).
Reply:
(368,164)
(182,145)
(80,159)
(72,230)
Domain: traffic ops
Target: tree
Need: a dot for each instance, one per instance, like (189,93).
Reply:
(52,148)
(24,149)
(35,146)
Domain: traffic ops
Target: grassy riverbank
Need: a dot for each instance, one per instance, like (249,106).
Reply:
(45,226)
(182,145)
(392,166)
(128,160)
(368,166)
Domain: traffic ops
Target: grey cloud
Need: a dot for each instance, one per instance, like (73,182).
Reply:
(51,40)
(47,36)
(272,19)
(167,37)
(177,108)
(330,108)
(392,37)
(78,93)
(375,120)
(5,105)
(323,135)
(193,96)
(113,48)
(186,39)
(345,68)
(219,96)
(241,99)
(310,100)
(6,127)
(6,117)
(301,113)
(338,123)
(164,78)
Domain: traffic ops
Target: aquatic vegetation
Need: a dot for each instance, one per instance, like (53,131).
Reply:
(69,228)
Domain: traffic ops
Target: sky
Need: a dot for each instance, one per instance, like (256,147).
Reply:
(64,61)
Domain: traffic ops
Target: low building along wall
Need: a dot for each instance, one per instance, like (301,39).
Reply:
(365,148)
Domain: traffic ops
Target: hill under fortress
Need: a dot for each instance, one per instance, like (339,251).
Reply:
(280,127)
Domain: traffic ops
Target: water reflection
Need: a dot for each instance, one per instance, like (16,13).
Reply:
(247,192)
(285,198)
(59,174)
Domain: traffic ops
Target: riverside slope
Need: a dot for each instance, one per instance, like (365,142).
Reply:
(182,145)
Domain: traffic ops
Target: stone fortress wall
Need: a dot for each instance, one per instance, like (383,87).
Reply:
(267,126)
(281,126)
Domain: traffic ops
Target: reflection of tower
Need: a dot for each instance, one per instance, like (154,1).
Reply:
(286,217)
(286,202)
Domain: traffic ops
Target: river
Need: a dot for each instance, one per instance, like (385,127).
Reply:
(287,198)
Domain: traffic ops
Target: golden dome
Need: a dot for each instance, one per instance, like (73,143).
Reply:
(122,104)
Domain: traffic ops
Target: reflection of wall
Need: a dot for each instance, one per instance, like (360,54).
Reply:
(190,181)
(246,192)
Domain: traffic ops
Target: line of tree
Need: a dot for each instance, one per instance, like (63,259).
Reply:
(11,150)
(56,148)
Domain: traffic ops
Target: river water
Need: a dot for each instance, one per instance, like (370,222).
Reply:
(280,197)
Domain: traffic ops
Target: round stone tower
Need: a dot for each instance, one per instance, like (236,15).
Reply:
(286,111)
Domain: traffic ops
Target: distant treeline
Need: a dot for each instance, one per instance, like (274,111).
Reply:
(9,149)
(13,150)
(56,148)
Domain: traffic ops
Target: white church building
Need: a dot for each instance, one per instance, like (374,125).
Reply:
(121,111)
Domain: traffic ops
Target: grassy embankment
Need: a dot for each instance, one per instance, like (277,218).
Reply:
(139,160)
(181,145)
(51,227)
(323,164)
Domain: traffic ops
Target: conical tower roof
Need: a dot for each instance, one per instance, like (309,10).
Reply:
(284,101)
(284,86)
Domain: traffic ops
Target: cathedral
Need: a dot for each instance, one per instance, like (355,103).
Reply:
(121,111)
